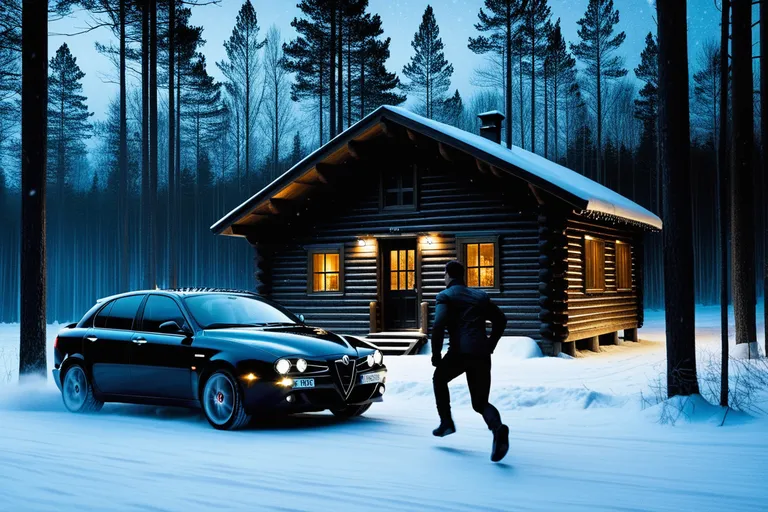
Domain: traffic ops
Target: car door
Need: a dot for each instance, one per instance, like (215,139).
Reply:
(108,342)
(161,359)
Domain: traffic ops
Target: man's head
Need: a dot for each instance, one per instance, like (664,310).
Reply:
(454,271)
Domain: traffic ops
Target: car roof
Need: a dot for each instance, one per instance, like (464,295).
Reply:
(179,292)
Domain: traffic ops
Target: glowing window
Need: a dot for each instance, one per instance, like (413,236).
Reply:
(325,270)
(623,267)
(402,269)
(481,265)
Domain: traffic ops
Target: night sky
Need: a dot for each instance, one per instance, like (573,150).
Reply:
(401,19)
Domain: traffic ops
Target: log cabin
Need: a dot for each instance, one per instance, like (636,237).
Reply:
(356,235)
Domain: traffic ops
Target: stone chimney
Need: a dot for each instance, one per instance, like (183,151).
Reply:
(491,125)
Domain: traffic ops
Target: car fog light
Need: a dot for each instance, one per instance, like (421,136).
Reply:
(371,360)
(382,389)
(285,382)
(249,377)
(378,357)
(289,399)
(301,365)
(283,366)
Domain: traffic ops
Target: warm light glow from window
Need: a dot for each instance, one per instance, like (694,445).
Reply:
(402,269)
(325,272)
(481,263)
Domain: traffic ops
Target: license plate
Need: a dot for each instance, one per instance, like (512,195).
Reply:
(370,378)
(303,383)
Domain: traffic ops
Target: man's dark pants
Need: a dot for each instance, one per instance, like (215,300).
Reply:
(478,370)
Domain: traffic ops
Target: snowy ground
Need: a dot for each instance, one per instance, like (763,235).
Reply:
(583,437)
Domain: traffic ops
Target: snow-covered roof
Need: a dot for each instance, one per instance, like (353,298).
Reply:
(599,198)
(585,195)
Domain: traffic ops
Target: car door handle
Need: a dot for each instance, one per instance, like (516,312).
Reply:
(139,341)
(91,338)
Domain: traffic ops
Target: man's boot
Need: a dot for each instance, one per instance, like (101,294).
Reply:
(500,443)
(446,428)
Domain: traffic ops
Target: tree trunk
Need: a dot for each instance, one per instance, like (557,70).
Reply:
(340,71)
(122,201)
(332,75)
(172,265)
(145,179)
(153,146)
(763,141)
(34,126)
(722,167)
(546,114)
(742,183)
(533,93)
(508,76)
(678,247)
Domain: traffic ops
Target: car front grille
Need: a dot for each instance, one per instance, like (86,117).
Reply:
(345,374)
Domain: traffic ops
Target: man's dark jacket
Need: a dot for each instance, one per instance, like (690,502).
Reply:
(463,311)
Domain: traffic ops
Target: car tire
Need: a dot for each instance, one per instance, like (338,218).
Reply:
(77,391)
(351,411)
(222,401)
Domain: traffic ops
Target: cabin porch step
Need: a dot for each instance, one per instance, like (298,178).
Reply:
(397,343)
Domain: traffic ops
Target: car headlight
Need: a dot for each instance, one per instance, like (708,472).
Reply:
(371,360)
(378,357)
(283,366)
(301,365)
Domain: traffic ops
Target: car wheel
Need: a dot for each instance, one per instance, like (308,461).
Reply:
(351,411)
(222,402)
(77,391)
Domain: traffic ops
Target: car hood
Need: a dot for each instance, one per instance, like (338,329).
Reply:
(298,341)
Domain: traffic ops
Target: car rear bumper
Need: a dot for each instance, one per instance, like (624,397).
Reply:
(56,378)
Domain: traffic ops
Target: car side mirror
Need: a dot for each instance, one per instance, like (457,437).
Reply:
(171,327)
(301,318)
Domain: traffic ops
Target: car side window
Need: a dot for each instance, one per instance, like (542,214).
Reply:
(159,310)
(102,316)
(123,312)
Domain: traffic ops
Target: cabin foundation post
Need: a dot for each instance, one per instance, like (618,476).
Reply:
(424,314)
(611,338)
(372,307)
(569,348)
(630,334)
(593,343)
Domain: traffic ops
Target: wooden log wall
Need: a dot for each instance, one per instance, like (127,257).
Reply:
(553,282)
(452,199)
(594,314)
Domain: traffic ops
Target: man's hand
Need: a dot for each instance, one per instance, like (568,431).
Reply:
(436,358)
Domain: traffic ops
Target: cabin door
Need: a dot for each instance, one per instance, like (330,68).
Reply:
(401,303)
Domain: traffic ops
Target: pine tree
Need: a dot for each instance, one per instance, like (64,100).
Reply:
(298,153)
(561,68)
(500,23)
(533,32)
(428,71)
(375,85)
(451,109)
(597,50)
(278,102)
(34,95)
(241,70)
(676,161)
(742,180)
(647,111)
(69,128)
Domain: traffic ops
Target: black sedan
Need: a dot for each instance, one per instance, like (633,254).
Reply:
(234,354)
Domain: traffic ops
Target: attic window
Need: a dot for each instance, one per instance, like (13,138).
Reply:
(398,188)
(594,265)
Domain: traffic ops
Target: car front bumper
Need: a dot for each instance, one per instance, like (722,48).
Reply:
(325,394)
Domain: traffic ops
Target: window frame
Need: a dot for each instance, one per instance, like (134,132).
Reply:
(324,249)
(585,264)
(401,206)
(136,315)
(140,318)
(617,244)
(461,250)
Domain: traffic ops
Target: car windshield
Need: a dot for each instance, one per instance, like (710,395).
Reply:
(214,311)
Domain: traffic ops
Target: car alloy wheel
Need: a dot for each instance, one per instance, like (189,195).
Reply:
(222,402)
(77,392)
